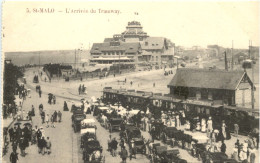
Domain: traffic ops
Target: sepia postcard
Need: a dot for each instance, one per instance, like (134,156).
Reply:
(135,82)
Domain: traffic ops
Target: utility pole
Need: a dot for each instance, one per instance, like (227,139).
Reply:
(119,63)
(232,62)
(252,66)
(75,59)
(39,59)
(226,63)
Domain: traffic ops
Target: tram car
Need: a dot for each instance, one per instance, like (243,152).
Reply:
(191,108)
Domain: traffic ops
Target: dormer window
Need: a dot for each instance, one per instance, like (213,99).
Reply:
(96,48)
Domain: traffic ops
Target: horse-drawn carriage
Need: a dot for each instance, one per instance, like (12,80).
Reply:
(139,144)
(76,106)
(88,131)
(92,152)
(132,132)
(76,118)
(162,154)
(156,129)
(114,124)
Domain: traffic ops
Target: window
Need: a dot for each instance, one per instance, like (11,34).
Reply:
(146,43)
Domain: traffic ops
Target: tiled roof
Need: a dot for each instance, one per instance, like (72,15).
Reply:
(153,43)
(127,47)
(204,78)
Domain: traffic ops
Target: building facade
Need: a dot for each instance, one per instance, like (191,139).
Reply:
(134,46)
(233,88)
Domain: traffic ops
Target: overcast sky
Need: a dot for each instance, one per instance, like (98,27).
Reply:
(185,23)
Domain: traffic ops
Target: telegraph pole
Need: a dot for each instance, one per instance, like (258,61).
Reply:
(252,66)
(232,62)
(39,59)
(75,59)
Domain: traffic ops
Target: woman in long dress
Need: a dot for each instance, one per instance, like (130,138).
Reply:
(203,125)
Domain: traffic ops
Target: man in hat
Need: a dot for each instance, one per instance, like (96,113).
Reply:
(55,116)
(124,155)
(59,116)
(223,147)
(43,116)
(114,147)
(14,157)
(109,144)
(48,145)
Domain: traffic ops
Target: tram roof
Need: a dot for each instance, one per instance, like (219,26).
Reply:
(242,109)
(165,98)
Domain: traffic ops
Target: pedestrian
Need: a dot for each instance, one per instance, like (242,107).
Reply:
(153,84)
(52,121)
(55,116)
(124,155)
(22,145)
(59,116)
(43,116)
(33,139)
(14,146)
(132,150)
(33,111)
(40,93)
(252,156)
(14,157)
(38,135)
(65,107)
(40,145)
(209,126)
(11,133)
(114,144)
(79,89)
(48,145)
(223,147)
(47,119)
(122,143)
(54,99)
(109,144)
(43,145)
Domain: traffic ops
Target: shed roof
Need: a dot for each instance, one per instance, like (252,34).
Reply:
(204,78)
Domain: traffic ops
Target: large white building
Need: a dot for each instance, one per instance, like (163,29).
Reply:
(134,46)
